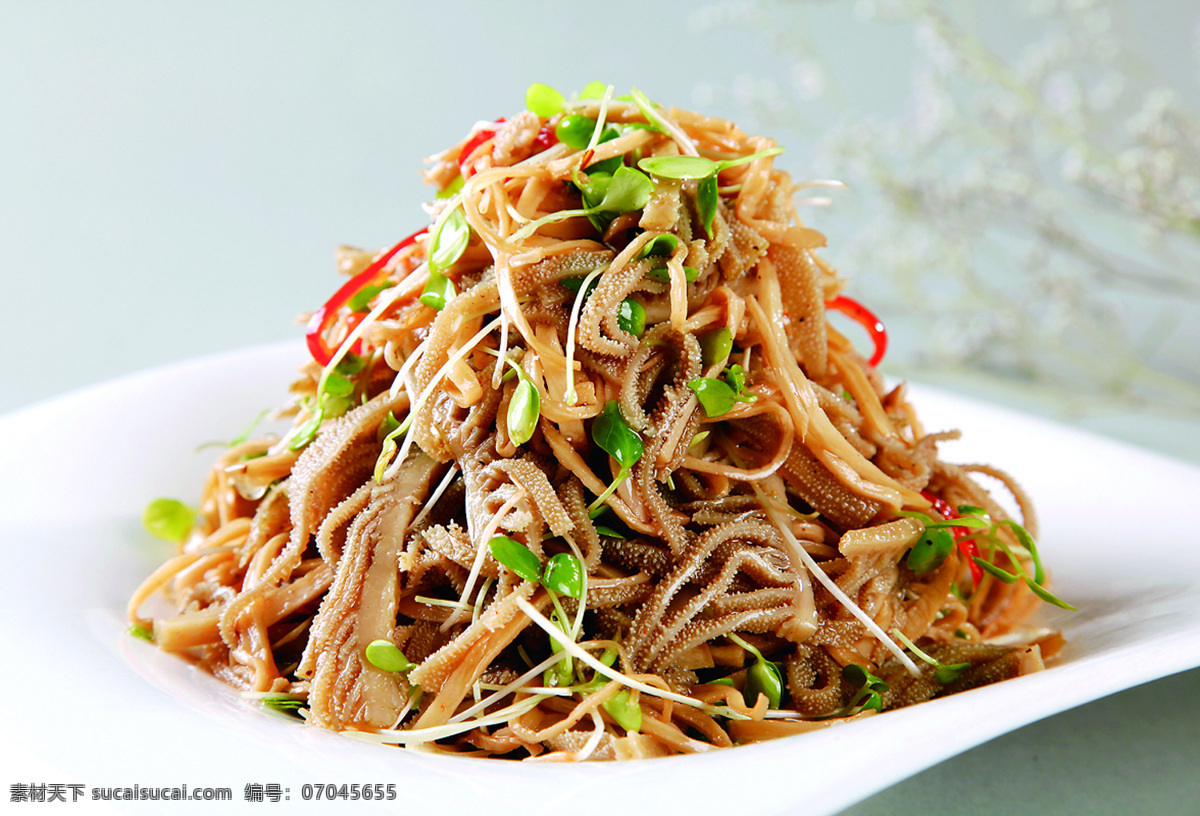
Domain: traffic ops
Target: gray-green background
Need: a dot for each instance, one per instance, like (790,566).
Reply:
(174,177)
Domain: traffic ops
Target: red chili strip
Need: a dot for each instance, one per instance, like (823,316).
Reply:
(546,138)
(323,318)
(865,317)
(967,548)
(485,132)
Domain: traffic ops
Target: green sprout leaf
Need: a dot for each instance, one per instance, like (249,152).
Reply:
(663,274)
(619,441)
(576,283)
(717,397)
(169,519)
(948,673)
(449,240)
(627,714)
(350,364)
(284,705)
(664,244)
(439,290)
(361,302)
(735,375)
(707,198)
(389,424)
(870,688)
(142,632)
(945,673)
(523,411)
(593,90)
(383,655)
(451,189)
(764,677)
(930,550)
(610,165)
(716,347)
(564,574)
(518,558)
(616,438)
(624,191)
(696,167)
(631,317)
(679,167)
(562,673)
(628,190)
(543,100)
(338,386)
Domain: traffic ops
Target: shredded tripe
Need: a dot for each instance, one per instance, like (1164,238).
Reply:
(582,471)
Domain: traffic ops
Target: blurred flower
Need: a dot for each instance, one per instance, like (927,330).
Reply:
(1036,205)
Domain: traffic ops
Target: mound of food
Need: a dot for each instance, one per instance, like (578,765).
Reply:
(582,470)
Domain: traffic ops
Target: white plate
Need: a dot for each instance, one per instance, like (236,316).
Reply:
(85,703)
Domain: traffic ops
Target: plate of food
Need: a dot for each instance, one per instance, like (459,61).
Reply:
(578,471)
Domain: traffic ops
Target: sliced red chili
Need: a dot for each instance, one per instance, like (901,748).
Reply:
(545,139)
(968,547)
(484,133)
(867,319)
(323,318)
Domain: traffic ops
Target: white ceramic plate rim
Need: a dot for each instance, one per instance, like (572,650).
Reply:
(77,470)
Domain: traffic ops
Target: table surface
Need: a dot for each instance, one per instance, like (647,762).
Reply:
(173,180)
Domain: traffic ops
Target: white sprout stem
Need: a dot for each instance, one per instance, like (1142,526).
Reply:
(814,569)
(581,607)
(386,299)
(596,131)
(551,218)
(428,601)
(686,146)
(598,734)
(408,706)
(433,383)
(437,732)
(481,550)
(515,685)
(834,183)
(479,596)
(433,499)
(401,379)
(573,649)
(570,397)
